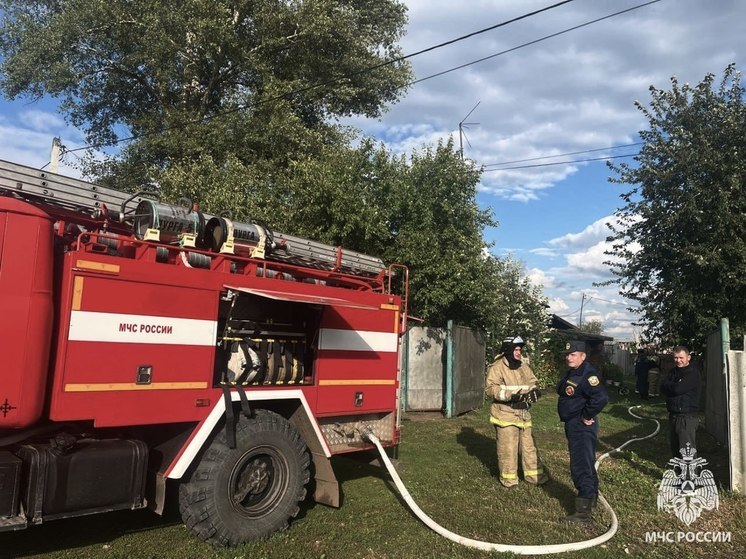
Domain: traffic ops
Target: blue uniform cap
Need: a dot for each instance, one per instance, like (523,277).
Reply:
(574,345)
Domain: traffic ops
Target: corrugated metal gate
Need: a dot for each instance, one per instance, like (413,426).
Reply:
(423,371)
(468,373)
(443,369)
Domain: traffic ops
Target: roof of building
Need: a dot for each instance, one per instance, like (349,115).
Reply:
(563,326)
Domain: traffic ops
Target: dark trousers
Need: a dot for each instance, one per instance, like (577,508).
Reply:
(581,442)
(683,429)
(642,385)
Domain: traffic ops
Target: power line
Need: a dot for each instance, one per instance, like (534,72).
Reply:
(469,35)
(562,154)
(569,162)
(607,301)
(336,80)
(570,315)
(533,42)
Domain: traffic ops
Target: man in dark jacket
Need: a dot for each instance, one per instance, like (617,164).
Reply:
(681,388)
(642,367)
(582,396)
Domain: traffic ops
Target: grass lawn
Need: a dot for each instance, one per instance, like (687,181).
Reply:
(449,467)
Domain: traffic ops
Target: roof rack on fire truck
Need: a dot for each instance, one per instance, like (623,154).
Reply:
(144,216)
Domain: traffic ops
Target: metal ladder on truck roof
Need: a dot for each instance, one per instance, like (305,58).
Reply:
(53,191)
(60,191)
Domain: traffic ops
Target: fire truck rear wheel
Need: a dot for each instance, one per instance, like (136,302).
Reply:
(236,495)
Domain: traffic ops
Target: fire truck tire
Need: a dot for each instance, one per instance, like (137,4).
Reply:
(236,495)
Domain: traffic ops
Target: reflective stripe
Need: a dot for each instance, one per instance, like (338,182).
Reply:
(121,386)
(516,387)
(508,476)
(533,472)
(501,423)
(505,389)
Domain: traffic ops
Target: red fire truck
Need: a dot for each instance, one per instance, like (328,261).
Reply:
(146,344)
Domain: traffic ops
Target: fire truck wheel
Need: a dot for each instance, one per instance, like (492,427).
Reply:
(236,495)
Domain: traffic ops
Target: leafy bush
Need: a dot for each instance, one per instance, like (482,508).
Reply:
(613,371)
(547,373)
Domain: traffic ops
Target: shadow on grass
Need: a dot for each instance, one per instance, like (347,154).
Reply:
(72,533)
(349,468)
(483,448)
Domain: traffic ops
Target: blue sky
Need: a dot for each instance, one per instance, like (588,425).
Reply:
(572,92)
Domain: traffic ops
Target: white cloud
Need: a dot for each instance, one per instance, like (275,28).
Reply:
(588,237)
(26,139)
(41,121)
(540,278)
(557,306)
(548,252)
(590,261)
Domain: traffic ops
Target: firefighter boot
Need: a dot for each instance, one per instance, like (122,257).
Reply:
(583,511)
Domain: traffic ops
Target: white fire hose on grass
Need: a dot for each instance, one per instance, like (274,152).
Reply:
(517,549)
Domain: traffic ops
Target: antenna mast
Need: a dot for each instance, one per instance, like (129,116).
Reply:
(463,125)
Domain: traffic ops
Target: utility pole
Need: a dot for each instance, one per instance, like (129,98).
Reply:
(461,126)
(580,320)
(54,157)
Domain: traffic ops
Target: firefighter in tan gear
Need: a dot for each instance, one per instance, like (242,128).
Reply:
(513,388)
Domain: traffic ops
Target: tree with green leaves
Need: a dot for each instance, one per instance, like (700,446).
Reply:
(515,306)
(679,248)
(592,326)
(258,80)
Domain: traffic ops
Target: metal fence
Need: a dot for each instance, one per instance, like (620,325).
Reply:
(443,369)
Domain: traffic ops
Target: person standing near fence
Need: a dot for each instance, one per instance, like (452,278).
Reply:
(642,368)
(681,388)
(513,387)
(654,376)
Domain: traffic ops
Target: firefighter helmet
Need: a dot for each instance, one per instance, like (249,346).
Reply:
(510,343)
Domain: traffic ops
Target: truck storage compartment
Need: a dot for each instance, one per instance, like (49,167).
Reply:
(26,307)
(91,476)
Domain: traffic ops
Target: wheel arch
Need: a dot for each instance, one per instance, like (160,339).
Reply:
(290,404)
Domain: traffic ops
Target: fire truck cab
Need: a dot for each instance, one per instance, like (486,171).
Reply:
(148,344)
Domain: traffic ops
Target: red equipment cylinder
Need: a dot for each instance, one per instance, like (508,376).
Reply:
(26,308)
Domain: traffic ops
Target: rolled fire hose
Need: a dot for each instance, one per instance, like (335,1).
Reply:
(517,549)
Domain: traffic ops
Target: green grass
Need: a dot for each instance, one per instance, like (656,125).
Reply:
(449,467)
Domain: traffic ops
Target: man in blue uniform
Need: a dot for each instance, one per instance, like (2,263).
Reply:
(581,397)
